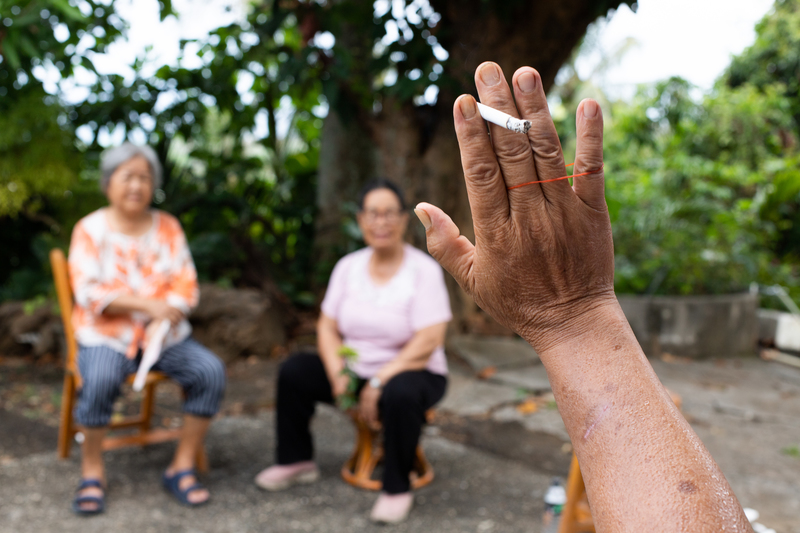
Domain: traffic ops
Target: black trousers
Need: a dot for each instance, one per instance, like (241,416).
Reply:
(302,382)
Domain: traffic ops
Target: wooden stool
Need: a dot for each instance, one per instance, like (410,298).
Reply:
(368,453)
(72,382)
(576,516)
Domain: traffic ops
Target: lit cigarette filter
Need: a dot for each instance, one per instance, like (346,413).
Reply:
(495,116)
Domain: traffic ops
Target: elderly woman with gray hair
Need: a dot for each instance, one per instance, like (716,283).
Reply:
(130,270)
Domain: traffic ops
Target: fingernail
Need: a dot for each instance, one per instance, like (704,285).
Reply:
(423,217)
(489,74)
(468,107)
(589,108)
(526,82)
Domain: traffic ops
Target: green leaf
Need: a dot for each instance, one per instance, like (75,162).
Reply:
(11,55)
(28,47)
(68,11)
(166,8)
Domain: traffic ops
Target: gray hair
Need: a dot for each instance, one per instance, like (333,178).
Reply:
(114,157)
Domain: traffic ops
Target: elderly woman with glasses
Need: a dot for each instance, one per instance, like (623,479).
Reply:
(130,270)
(388,303)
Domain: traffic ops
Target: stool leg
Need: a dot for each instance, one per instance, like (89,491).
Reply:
(364,462)
(422,469)
(575,489)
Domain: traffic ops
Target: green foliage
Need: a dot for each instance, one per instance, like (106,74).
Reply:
(38,39)
(40,166)
(773,62)
(37,158)
(687,186)
(347,353)
(349,399)
(774,58)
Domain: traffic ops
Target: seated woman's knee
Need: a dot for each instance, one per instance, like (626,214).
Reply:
(294,370)
(216,376)
(100,382)
(398,393)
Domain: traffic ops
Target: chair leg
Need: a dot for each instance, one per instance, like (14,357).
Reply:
(65,426)
(575,489)
(148,400)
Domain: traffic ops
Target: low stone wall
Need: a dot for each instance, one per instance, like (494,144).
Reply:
(230,322)
(694,326)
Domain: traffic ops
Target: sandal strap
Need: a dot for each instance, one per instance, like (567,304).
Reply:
(176,477)
(86,483)
(186,491)
(183,473)
(86,499)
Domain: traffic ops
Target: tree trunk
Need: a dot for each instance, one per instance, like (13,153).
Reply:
(416,146)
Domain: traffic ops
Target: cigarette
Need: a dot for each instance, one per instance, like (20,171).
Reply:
(495,116)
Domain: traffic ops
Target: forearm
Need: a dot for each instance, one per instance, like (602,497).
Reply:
(635,449)
(416,353)
(128,303)
(328,343)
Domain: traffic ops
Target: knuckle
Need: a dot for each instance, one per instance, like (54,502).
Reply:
(481,172)
(516,153)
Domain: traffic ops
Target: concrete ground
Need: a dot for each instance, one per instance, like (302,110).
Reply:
(495,444)
(473,490)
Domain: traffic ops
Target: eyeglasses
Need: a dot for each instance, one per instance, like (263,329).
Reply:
(391,216)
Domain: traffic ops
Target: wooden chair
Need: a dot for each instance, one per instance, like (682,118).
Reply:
(368,453)
(576,516)
(143,434)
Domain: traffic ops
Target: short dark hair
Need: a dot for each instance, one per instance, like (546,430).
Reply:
(380,183)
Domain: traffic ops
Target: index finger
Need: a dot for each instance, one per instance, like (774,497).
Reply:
(488,198)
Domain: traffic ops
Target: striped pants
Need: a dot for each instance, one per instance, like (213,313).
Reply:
(193,366)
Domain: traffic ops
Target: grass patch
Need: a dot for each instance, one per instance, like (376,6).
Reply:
(791,451)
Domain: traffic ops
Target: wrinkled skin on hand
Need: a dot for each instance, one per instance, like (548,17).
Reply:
(543,256)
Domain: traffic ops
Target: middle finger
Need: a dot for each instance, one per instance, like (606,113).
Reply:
(513,150)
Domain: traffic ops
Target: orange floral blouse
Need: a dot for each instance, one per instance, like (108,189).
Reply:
(105,264)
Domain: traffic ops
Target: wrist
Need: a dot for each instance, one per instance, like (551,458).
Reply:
(580,322)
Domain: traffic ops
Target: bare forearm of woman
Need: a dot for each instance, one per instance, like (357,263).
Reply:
(635,449)
(328,343)
(416,352)
(128,303)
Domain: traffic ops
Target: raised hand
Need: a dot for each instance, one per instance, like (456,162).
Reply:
(543,257)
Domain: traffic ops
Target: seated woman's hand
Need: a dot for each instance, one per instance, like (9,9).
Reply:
(368,406)
(543,258)
(161,310)
(339,384)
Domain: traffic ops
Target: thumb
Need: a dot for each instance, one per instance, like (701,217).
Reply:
(446,244)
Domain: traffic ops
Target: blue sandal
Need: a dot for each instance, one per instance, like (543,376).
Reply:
(79,500)
(172,485)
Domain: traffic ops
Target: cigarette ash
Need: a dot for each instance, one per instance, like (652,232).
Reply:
(517,125)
